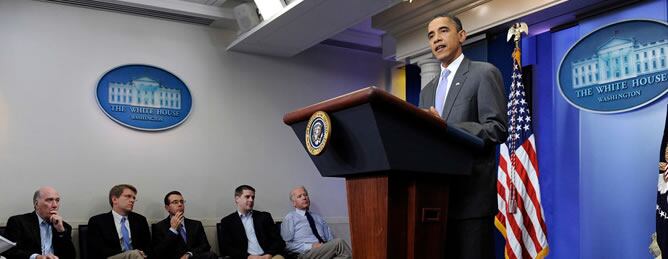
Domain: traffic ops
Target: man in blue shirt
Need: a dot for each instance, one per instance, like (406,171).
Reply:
(248,233)
(307,233)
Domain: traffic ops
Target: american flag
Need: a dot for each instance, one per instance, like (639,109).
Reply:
(520,217)
(662,196)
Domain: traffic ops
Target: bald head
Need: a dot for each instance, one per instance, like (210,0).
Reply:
(39,192)
(46,201)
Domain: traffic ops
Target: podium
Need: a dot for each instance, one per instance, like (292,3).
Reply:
(397,161)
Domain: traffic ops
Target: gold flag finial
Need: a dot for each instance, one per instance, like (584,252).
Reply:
(515,33)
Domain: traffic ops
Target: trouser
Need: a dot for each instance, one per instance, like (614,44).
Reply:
(336,248)
(205,255)
(470,238)
(131,254)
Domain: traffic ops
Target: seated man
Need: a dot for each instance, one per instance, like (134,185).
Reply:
(41,234)
(307,233)
(248,233)
(120,233)
(178,237)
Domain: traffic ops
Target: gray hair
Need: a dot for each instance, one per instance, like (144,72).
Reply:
(36,196)
(298,187)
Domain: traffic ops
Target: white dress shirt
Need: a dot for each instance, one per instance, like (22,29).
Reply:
(117,222)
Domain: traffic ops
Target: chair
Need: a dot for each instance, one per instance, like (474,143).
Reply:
(219,235)
(83,241)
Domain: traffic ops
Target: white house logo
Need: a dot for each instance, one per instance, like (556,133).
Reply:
(617,68)
(144,97)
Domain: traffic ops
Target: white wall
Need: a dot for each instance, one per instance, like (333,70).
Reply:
(53,133)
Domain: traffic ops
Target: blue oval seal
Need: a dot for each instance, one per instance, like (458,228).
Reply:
(616,68)
(144,97)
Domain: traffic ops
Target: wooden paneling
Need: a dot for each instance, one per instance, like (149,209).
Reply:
(368,211)
(388,220)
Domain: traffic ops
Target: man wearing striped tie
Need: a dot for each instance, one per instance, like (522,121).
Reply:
(120,233)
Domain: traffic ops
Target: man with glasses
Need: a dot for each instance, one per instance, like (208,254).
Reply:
(178,237)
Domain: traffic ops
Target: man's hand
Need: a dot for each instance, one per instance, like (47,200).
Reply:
(176,220)
(185,256)
(434,112)
(50,256)
(142,253)
(316,245)
(57,222)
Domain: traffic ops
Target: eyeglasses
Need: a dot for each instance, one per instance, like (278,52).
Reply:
(176,202)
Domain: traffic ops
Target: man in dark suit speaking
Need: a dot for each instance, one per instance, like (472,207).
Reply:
(120,233)
(248,233)
(178,237)
(41,234)
(468,95)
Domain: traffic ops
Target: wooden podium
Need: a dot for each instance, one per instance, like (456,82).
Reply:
(397,160)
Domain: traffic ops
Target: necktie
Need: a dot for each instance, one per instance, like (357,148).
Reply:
(182,232)
(126,235)
(46,243)
(442,91)
(311,223)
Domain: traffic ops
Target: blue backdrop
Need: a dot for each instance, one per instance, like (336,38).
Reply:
(598,172)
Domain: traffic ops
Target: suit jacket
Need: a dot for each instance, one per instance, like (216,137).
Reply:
(475,103)
(235,241)
(24,230)
(168,245)
(103,240)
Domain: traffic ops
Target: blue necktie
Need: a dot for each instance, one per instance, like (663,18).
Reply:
(442,91)
(182,232)
(46,238)
(126,235)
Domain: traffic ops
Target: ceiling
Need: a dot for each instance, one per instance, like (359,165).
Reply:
(218,3)
(302,24)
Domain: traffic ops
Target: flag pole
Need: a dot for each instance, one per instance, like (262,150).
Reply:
(515,33)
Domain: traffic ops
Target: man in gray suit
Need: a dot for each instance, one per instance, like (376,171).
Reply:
(468,95)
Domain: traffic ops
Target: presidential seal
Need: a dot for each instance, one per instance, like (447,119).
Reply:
(318,130)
